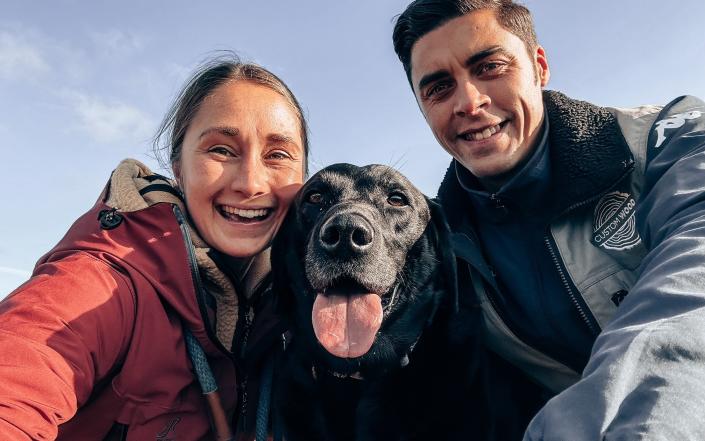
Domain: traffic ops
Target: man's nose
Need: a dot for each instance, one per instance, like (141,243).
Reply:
(251,177)
(469,99)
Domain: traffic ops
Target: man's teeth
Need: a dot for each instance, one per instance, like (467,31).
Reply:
(483,134)
(245,213)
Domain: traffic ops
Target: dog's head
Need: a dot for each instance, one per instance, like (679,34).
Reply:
(361,265)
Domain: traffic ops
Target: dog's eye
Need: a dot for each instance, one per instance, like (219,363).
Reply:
(397,200)
(314,197)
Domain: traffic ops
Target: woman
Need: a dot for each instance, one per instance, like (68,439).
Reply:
(158,295)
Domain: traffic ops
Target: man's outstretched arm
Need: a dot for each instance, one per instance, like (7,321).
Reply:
(646,376)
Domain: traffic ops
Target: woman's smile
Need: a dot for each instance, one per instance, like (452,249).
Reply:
(247,216)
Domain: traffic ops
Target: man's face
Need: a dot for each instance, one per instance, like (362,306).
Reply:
(480,92)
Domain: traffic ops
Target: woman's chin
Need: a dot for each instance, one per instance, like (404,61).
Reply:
(242,239)
(239,247)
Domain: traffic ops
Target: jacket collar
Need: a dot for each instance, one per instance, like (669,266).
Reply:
(525,193)
(134,187)
(588,155)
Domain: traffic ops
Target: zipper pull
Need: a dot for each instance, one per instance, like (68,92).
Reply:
(499,205)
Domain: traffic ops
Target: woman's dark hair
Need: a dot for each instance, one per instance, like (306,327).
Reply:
(211,74)
(423,16)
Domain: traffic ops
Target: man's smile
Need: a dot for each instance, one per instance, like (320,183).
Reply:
(482,133)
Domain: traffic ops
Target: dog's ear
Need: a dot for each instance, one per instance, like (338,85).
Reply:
(444,248)
(283,251)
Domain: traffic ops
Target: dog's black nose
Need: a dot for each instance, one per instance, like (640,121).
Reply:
(346,232)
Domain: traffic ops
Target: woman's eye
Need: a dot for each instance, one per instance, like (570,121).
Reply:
(220,150)
(314,197)
(397,200)
(278,154)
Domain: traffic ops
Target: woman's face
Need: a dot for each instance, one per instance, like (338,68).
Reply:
(241,164)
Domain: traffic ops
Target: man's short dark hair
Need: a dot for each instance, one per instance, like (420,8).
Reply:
(423,16)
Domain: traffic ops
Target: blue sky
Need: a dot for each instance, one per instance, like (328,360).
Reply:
(84,85)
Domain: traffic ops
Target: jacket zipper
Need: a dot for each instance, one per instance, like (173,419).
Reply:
(198,285)
(593,327)
(201,297)
(246,334)
(200,293)
(583,310)
(490,295)
(577,300)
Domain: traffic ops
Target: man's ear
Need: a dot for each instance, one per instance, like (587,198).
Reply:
(444,248)
(543,72)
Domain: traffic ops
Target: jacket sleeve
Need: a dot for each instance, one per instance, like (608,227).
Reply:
(60,333)
(645,379)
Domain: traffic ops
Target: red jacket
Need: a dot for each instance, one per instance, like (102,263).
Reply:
(92,345)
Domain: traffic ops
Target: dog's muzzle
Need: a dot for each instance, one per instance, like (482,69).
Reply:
(346,234)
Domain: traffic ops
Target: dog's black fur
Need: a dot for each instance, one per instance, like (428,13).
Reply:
(426,376)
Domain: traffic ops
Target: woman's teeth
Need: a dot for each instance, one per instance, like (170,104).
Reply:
(483,134)
(247,214)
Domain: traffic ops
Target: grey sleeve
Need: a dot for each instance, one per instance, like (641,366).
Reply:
(645,379)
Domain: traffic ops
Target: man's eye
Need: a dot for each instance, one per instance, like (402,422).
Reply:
(489,68)
(437,89)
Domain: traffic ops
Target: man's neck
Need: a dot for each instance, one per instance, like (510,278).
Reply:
(492,184)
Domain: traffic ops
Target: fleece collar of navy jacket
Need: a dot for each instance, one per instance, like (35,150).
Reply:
(588,156)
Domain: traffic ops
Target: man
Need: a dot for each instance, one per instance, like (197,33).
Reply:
(591,223)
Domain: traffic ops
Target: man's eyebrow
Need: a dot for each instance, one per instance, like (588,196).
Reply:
(472,59)
(223,130)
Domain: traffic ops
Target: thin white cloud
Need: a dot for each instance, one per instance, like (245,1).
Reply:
(19,57)
(110,120)
(14,272)
(114,42)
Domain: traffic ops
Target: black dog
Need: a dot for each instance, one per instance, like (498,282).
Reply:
(380,347)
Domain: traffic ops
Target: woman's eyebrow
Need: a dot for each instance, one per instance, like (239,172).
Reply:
(223,130)
(278,138)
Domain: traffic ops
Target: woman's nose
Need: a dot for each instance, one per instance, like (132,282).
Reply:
(250,177)
(469,100)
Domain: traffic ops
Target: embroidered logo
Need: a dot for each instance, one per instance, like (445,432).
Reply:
(673,122)
(164,435)
(614,226)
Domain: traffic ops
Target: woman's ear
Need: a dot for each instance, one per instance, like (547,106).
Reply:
(176,169)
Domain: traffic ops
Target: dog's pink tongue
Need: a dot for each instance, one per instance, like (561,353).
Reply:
(346,325)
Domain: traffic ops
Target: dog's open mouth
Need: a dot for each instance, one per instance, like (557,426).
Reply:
(346,318)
